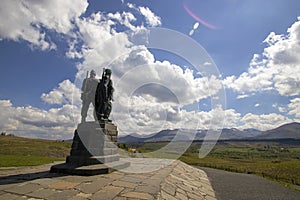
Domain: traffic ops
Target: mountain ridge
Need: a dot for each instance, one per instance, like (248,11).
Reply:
(286,131)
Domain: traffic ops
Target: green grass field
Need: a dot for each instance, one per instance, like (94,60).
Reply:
(18,151)
(279,161)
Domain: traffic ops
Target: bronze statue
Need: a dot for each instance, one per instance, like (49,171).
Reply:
(104,96)
(88,89)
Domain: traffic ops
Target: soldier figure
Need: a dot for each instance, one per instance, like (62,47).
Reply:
(88,89)
(104,96)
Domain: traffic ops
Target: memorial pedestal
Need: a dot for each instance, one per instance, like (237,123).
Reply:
(94,151)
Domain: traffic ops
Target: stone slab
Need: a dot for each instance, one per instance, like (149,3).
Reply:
(92,187)
(107,192)
(63,195)
(61,185)
(42,193)
(138,195)
(8,196)
(24,188)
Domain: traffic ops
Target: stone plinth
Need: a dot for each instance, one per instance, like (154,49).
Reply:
(94,150)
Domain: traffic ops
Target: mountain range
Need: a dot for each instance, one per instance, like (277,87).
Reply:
(287,131)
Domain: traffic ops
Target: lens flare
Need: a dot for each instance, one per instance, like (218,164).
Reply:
(196,25)
(193,15)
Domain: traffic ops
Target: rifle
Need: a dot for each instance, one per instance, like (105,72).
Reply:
(84,95)
(103,74)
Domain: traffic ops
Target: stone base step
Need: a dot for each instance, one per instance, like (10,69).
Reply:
(79,160)
(94,152)
(89,170)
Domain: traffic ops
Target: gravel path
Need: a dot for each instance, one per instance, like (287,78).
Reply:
(236,186)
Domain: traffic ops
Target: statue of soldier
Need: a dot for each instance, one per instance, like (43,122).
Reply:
(88,89)
(104,96)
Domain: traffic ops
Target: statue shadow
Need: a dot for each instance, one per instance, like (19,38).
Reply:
(26,177)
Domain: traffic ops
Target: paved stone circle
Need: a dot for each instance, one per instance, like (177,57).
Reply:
(173,179)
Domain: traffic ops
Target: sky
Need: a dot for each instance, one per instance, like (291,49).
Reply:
(191,64)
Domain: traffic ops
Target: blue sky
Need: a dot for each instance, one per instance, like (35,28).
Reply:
(46,49)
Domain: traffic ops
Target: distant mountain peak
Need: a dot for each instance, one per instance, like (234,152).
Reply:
(288,131)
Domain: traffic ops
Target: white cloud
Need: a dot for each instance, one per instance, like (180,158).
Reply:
(242,96)
(182,83)
(149,117)
(130,5)
(66,93)
(280,108)
(171,88)
(207,64)
(95,29)
(151,18)
(126,19)
(294,107)
(263,122)
(102,43)
(231,118)
(278,67)
(215,119)
(24,19)
(257,105)
(57,123)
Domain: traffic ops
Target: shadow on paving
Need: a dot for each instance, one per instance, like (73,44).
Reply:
(24,177)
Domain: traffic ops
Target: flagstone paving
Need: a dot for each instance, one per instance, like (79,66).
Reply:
(145,179)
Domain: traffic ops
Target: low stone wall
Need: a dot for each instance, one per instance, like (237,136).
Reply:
(186,182)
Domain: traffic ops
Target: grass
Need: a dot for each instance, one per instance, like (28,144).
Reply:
(18,151)
(275,160)
(18,161)
(287,171)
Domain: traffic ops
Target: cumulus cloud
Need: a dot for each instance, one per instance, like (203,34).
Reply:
(181,82)
(66,93)
(151,18)
(150,92)
(24,19)
(294,107)
(56,123)
(154,117)
(264,121)
(277,68)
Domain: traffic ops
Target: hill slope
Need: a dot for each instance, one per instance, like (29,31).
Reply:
(291,130)
(13,145)
(18,151)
